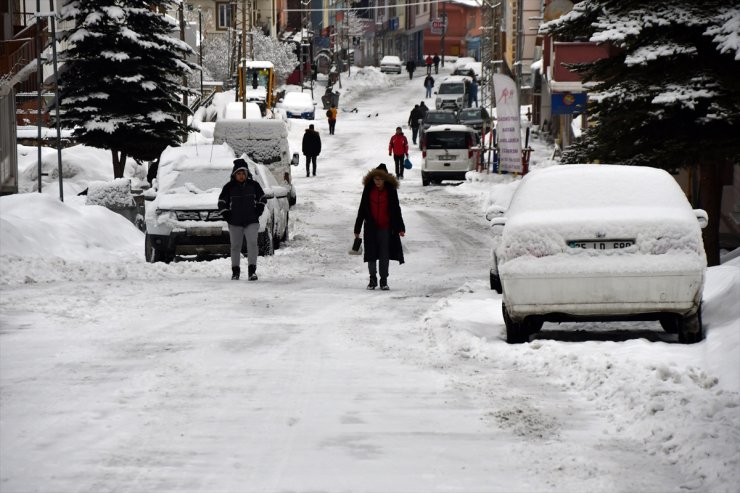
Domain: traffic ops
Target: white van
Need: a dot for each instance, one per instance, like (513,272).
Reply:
(452,93)
(448,152)
(264,141)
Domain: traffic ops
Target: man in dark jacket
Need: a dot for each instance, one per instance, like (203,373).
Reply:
(311,148)
(241,203)
(414,118)
(380,212)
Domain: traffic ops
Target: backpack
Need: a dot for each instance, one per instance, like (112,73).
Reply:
(328,113)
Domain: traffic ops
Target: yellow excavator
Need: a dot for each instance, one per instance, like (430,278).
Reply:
(256,83)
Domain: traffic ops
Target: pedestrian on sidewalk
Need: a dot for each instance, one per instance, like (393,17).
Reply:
(410,67)
(428,62)
(331,116)
(311,148)
(429,85)
(414,118)
(473,95)
(241,203)
(398,147)
(380,213)
(435,60)
(424,108)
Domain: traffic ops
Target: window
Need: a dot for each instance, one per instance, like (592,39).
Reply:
(223,15)
(448,140)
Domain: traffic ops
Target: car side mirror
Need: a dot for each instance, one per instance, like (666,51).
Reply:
(495,212)
(702,217)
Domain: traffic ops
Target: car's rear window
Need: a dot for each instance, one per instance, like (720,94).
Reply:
(448,140)
(440,118)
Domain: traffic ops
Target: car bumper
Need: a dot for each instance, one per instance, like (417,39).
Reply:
(305,115)
(601,296)
(192,242)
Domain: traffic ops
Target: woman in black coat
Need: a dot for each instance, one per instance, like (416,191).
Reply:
(380,212)
(242,202)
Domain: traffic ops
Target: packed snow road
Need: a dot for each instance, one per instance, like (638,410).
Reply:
(127,376)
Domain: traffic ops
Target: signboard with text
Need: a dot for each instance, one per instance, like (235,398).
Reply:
(508,124)
(438,26)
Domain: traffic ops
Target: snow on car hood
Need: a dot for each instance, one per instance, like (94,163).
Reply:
(189,201)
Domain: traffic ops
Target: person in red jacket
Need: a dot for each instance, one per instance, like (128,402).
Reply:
(428,61)
(399,149)
(380,216)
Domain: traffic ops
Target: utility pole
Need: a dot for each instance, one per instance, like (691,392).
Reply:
(243,69)
(444,31)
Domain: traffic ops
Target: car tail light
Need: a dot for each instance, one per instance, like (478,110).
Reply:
(665,244)
(469,144)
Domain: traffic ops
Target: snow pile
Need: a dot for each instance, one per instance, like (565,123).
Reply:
(40,226)
(114,194)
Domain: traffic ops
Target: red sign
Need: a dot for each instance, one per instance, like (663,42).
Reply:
(438,26)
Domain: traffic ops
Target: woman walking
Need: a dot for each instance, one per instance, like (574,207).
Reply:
(380,212)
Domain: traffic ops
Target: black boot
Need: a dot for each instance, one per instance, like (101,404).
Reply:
(235,273)
(373,283)
(252,269)
(384,284)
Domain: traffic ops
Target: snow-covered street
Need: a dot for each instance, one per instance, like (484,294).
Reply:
(118,375)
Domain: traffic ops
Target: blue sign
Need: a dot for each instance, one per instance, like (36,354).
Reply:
(567,103)
(393,24)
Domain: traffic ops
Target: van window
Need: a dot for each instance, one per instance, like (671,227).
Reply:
(448,140)
(451,88)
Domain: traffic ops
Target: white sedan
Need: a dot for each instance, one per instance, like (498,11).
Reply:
(298,105)
(599,242)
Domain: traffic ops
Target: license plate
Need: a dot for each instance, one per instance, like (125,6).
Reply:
(208,231)
(448,157)
(601,244)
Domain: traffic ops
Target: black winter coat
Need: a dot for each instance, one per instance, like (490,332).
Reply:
(364,215)
(244,201)
(414,117)
(311,143)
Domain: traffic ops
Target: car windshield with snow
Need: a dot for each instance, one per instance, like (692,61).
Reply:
(599,242)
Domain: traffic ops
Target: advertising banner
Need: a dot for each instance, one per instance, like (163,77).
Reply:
(508,124)
(568,103)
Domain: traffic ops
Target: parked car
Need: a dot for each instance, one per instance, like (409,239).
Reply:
(391,64)
(461,63)
(182,216)
(466,69)
(452,93)
(298,105)
(448,153)
(599,242)
(435,117)
(475,118)
(235,109)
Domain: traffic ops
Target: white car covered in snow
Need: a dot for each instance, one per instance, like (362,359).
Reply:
(599,242)
(298,105)
(182,216)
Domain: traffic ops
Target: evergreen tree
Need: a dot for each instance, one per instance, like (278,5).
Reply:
(121,84)
(670,96)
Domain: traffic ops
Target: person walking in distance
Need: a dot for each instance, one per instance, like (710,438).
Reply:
(398,147)
(331,116)
(241,203)
(435,60)
(473,94)
(414,118)
(428,62)
(429,85)
(410,67)
(424,108)
(311,148)
(380,214)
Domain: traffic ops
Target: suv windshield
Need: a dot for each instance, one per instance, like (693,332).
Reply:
(452,88)
(447,140)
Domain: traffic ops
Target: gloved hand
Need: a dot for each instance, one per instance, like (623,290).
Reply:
(260,209)
(226,214)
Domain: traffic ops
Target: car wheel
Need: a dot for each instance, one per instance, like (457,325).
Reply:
(153,254)
(286,232)
(670,323)
(495,283)
(516,332)
(690,329)
(424,179)
(264,243)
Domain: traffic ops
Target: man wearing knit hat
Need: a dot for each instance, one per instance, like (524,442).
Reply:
(241,203)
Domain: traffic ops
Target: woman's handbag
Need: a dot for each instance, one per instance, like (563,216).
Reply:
(356,247)
(407,164)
